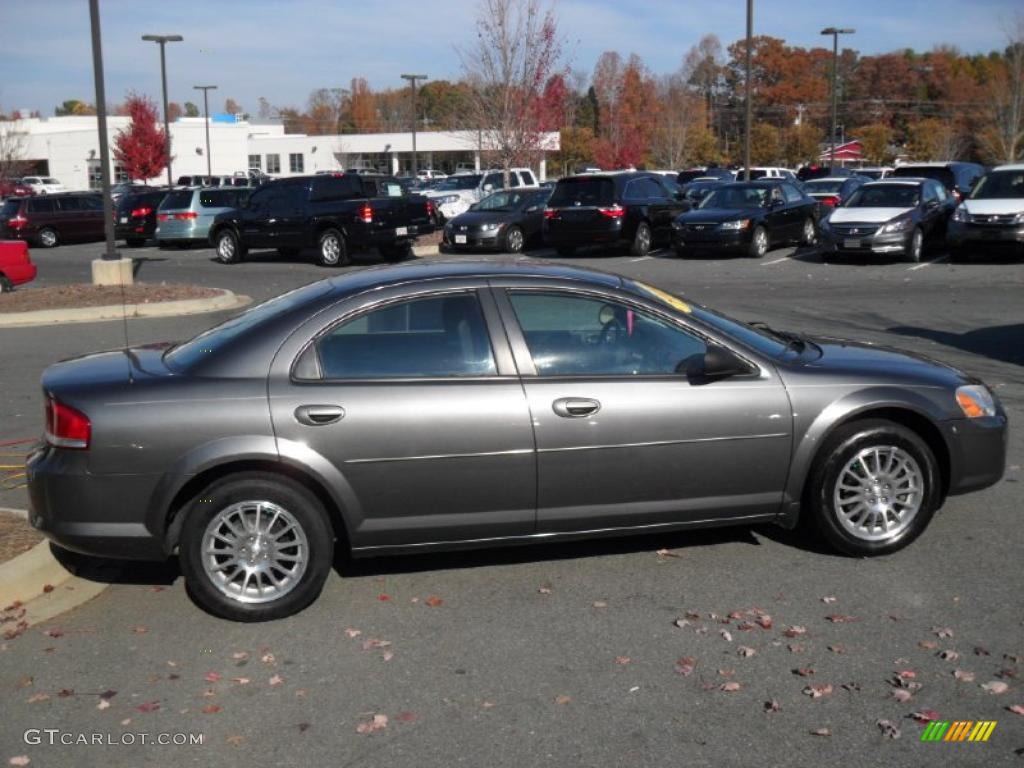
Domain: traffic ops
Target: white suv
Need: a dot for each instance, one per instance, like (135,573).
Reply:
(43,185)
(992,215)
(455,194)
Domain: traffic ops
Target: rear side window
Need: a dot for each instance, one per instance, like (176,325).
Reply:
(95,202)
(939,173)
(436,337)
(41,205)
(583,191)
(327,188)
(69,204)
(218,198)
(176,200)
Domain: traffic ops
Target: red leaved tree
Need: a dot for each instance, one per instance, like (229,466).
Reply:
(141,149)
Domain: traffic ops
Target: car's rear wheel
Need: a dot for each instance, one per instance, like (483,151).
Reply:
(229,249)
(331,251)
(915,246)
(758,243)
(47,237)
(874,488)
(641,240)
(514,240)
(255,547)
(6,286)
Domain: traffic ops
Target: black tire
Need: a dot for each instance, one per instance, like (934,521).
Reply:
(839,450)
(6,286)
(135,242)
(331,250)
(809,233)
(288,252)
(566,251)
(514,239)
(307,512)
(47,237)
(915,247)
(229,249)
(396,252)
(642,239)
(759,243)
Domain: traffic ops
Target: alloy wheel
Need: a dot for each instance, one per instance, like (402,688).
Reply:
(48,238)
(226,247)
(254,552)
(878,493)
(330,249)
(810,235)
(760,243)
(514,240)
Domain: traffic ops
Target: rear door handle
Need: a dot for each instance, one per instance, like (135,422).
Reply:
(575,407)
(319,415)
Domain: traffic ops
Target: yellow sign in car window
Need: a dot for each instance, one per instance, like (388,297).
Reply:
(664,297)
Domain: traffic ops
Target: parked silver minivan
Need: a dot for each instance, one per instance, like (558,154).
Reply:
(185,215)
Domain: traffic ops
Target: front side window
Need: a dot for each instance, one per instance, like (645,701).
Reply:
(496,180)
(792,193)
(570,335)
(69,204)
(273,163)
(434,337)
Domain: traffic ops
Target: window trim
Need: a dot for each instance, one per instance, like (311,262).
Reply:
(492,324)
(524,359)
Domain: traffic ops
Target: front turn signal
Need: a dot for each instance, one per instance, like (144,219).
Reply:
(975,401)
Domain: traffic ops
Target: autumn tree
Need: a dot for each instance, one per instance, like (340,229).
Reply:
(191,110)
(627,97)
(765,144)
(325,112)
(934,139)
(141,149)
(1002,138)
(174,111)
(576,149)
(518,48)
(702,69)
(263,109)
(802,144)
(876,143)
(232,107)
(74,107)
(362,107)
(683,118)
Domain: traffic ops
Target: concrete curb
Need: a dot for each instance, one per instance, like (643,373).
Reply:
(426,250)
(225,300)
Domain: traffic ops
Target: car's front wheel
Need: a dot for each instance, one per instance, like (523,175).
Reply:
(758,243)
(255,547)
(915,246)
(514,240)
(874,489)
(809,233)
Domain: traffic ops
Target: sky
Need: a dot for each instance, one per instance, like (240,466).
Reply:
(283,49)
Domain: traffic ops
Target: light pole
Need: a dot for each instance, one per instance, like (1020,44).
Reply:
(206,113)
(412,80)
(162,40)
(101,118)
(835,32)
(746,90)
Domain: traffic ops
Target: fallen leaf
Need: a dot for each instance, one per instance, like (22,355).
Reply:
(850,687)
(19,760)
(38,697)
(726,634)
(600,604)
(726,672)
(666,553)
(212,677)
(902,694)
(211,709)
(837,648)
(730,687)
(55,633)
(828,599)
(744,626)
(108,694)
(384,597)
(387,655)
(925,715)
(821,732)
(1006,672)
(174,676)
(103,704)
(303,727)
(795,647)
(353,632)
(684,666)
(622,659)
(240,680)
(888,728)
(1017,709)
(300,693)
(375,643)
(240,655)
(562,699)
(276,680)
(942,631)
(746,651)
(407,717)
(378,723)
(692,615)
(544,590)
(267,658)
(25,682)
(235,741)
(149,706)
(817,690)
(949,655)
(140,630)
(681,623)
(765,621)
(209,693)
(66,692)
(839,618)
(995,687)
(126,721)
(488,705)
(963,675)
(772,706)
(928,645)
(980,650)
(906,674)
(433,601)
(803,671)
(795,631)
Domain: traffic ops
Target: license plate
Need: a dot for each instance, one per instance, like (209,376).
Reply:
(851,243)
(124,219)
(401,231)
(460,238)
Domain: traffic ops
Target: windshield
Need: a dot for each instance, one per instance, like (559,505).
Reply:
(504,201)
(736,197)
(183,356)
(888,196)
(469,181)
(1000,185)
(823,185)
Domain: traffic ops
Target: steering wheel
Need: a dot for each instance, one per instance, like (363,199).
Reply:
(612,326)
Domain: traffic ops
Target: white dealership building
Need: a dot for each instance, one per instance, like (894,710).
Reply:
(68,149)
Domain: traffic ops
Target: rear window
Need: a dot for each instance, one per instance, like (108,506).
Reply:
(583,191)
(10,208)
(175,200)
(824,185)
(938,173)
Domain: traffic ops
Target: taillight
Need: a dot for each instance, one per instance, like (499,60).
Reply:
(186,216)
(65,426)
(550,213)
(613,212)
(366,213)
(958,195)
(163,217)
(430,207)
(831,201)
(140,212)
(17,222)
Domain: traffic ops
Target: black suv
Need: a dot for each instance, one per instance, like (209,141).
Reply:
(631,209)
(135,215)
(958,178)
(336,214)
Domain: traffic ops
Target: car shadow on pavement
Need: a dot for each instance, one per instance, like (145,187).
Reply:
(107,571)
(998,342)
(138,261)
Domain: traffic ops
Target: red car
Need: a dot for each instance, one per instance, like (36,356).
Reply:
(14,188)
(16,266)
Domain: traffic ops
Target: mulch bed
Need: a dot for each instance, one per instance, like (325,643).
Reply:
(16,536)
(88,295)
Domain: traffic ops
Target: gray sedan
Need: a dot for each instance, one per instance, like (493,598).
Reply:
(474,404)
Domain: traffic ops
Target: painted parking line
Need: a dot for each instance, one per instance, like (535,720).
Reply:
(774,261)
(641,258)
(924,264)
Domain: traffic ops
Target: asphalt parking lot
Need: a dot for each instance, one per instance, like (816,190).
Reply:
(640,651)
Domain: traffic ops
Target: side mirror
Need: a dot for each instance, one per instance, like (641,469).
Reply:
(533,209)
(473,207)
(720,363)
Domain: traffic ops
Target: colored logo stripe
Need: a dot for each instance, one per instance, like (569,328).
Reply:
(958,730)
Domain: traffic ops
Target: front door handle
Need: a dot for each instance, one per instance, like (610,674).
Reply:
(575,407)
(319,415)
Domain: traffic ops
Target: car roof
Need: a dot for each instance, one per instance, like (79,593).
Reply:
(907,181)
(843,179)
(939,164)
(1010,167)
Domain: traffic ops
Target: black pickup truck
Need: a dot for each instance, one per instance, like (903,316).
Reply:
(334,213)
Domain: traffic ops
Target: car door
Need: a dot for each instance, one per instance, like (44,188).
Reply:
(624,436)
(287,209)
(798,209)
(407,402)
(92,216)
(778,216)
(931,208)
(254,219)
(662,208)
